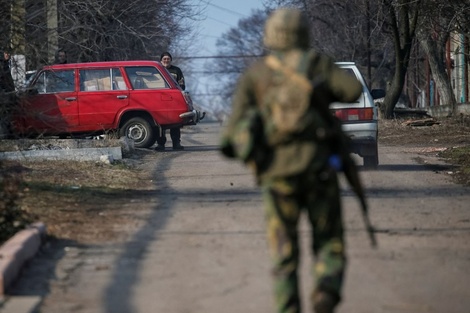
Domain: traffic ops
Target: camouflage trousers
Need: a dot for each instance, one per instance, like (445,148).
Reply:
(284,201)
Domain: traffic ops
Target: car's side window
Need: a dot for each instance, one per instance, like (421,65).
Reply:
(146,77)
(118,80)
(99,79)
(55,81)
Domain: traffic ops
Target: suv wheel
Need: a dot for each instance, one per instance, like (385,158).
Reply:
(372,161)
(139,130)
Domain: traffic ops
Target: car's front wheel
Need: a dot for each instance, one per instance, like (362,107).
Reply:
(140,131)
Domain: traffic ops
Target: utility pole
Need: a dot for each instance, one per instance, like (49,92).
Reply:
(17,42)
(52,34)
(18,15)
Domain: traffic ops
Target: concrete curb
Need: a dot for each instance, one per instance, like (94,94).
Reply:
(18,250)
(84,154)
(22,304)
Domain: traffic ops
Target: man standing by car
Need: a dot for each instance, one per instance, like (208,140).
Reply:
(7,94)
(175,132)
(60,57)
(6,80)
(281,127)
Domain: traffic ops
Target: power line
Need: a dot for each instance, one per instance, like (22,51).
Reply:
(223,9)
(222,57)
(212,72)
(205,94)
(219,21)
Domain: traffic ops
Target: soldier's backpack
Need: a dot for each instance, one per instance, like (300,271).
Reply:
(286,103)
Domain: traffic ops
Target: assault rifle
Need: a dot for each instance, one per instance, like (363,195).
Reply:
(350,171)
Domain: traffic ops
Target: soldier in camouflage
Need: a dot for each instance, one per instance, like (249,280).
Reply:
(289,140)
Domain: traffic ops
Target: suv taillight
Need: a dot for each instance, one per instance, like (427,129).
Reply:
(365,114)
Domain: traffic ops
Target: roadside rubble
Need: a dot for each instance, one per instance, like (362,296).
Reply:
(421,122)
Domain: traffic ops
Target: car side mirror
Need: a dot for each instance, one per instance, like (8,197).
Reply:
(377,93)
(27,92)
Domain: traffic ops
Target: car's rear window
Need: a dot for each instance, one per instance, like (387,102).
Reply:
(146,77)
(349,71)
(101,80)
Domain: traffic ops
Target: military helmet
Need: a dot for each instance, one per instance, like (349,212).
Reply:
(285,29)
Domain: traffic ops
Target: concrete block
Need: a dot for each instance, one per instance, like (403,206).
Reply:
(127,146)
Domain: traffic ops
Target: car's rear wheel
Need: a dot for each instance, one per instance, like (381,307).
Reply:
(372,161)
(140,131)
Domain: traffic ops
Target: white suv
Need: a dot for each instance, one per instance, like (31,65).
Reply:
(359,119)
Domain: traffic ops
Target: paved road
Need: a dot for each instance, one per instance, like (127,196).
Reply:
(199,245)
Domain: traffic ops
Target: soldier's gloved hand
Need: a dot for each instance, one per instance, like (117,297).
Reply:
(227,149)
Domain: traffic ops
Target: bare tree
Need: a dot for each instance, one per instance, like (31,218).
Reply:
(434,32)
(338,28)
(92,30)
(400,23)
(380,36)
(237,49)
(89,30)
(349,31)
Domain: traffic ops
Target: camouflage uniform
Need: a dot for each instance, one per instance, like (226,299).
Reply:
(294,171)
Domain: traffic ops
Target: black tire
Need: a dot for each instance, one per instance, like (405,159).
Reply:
(139,130)
(372,161)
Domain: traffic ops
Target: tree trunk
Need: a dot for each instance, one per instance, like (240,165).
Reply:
(403,27)
(438,70)
(394,91)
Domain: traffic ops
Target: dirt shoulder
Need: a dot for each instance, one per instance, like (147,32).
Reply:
(84,201)
(445,138)
(443,132)
(71,196)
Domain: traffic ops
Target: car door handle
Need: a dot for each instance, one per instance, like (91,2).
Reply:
(70,98)
(122,97)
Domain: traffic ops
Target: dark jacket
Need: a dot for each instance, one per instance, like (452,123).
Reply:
(177,74)
(6,80)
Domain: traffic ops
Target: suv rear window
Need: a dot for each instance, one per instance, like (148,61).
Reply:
(349,71)
(146,77)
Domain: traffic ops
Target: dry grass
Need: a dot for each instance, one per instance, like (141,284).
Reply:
(12,216)
(70,195)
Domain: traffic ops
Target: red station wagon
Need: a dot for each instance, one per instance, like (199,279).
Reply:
(134,98)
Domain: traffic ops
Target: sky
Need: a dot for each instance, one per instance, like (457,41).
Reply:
(219,16)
